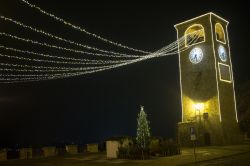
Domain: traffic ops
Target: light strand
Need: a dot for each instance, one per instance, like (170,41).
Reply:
(82,29)
(158,53)
(49,61)
(48,67)
(61,38)
(63,58)
(63,48)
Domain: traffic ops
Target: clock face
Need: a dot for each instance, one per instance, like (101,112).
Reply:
(222,53)
(196,55)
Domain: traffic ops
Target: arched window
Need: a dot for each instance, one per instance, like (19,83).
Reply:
(219,32)
(194,34)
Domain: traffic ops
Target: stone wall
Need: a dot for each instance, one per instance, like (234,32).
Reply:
(49,151)
(71,149)
(3,154)
(93,148)
(25,153)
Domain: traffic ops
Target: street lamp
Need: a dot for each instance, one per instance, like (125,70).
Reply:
(198,107)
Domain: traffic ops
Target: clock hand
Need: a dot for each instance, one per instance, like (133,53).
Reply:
(195,57)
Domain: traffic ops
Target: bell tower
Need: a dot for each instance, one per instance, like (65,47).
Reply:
(206,82)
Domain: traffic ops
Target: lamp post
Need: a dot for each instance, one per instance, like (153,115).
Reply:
(198,108)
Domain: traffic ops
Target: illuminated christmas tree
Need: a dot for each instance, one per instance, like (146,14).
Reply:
(143,130)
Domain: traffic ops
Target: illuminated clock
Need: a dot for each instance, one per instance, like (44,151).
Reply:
(222,53)
(196,55)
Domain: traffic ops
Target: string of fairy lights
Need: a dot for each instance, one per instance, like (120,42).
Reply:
(67,60)
(62,48)
(61,38)
(23,65)
(82,29)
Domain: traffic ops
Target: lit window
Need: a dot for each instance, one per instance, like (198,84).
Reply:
(194,34)
(219,32)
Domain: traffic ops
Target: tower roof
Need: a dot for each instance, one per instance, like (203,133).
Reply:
(207,14)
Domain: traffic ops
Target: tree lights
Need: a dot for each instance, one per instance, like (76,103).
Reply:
(143,130)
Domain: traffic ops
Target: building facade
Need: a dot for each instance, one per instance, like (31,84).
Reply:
(206,80)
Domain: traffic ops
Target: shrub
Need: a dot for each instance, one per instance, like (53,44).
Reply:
(169,148)
(133,152)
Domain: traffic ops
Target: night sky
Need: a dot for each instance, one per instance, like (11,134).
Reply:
(91,108)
